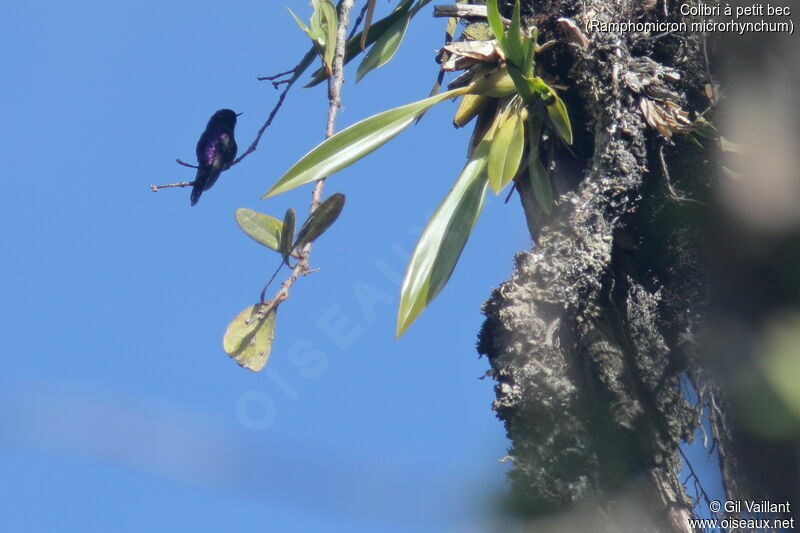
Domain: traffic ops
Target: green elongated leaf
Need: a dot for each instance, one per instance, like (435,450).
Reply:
(308,31)
(483,130)
(248,339)
(260,227)
(496,23)
(330,25)
(513,47)
(534,89)
(353,46)
(316,21)
(505,153)
(542,189)
(540,181)
(529,52)
(316,39)
(524,86)
(704,128)
(385,47)
(694,140)
(440,245)
(557,112)
(320,220)
(540,88)
(354,142)
(287,235)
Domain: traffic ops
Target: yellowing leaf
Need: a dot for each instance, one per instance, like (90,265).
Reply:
(248,339)
(497,83)
(506,150)
(468,108)
(557,112)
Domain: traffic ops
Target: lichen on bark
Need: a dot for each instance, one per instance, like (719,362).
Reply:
(587,339)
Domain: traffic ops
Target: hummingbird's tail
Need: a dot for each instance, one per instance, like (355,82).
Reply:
(206,177)
(196,192)
(199,185)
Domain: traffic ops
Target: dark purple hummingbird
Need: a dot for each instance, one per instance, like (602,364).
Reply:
(216,150)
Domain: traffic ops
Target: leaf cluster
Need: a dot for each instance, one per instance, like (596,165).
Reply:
(523,106)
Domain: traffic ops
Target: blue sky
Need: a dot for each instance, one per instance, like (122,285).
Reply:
(120,411)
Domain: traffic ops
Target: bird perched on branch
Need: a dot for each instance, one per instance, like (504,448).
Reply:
(216,150)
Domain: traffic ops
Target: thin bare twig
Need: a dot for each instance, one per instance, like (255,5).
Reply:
(156,188)
(464,11)
(700,491)
(714,96)
(263,128)
(296,72)
(334,98)
(668,182)
(278,75)
(263,296)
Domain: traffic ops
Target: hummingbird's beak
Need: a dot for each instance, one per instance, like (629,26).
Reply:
(239,114)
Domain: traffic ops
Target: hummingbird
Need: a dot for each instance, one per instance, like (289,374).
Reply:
(216,150)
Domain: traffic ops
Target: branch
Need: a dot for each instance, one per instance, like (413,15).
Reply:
(276,76)
(463,11)
(697,483)
(270,118)
(668,182)
(156,188)
(335,82)
(185,164)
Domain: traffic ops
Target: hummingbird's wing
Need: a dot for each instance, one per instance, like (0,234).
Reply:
(216,148)
(226,147)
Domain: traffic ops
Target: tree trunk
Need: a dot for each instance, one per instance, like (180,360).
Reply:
(602,335)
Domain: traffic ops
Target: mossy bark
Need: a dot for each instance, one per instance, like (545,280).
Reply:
(596,340)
